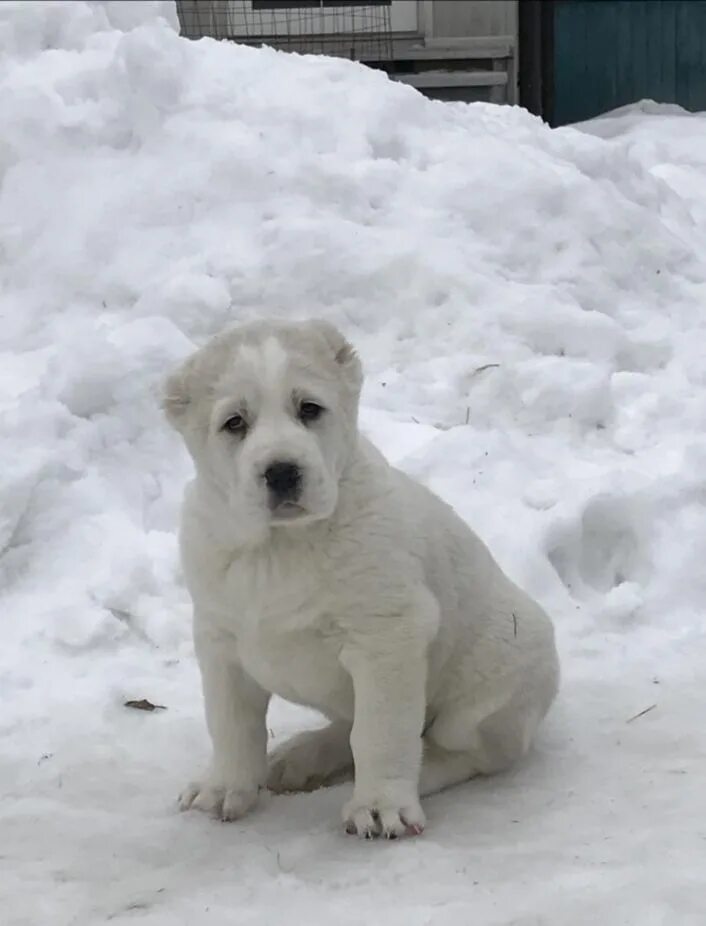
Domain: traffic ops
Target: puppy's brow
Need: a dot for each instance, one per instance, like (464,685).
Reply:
(268,360)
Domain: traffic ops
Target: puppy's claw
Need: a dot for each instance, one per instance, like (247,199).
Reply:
(380,818)
(218,800)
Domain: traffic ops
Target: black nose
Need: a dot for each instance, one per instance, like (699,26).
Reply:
(283,480)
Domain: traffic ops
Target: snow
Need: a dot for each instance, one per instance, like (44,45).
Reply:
(530,308)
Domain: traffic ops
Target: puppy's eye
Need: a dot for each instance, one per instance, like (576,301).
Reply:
(310,411)
(236,424)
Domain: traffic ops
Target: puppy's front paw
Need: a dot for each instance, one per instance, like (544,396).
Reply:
(219,800)
(385,813)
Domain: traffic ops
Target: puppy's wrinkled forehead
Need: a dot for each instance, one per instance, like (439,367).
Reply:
(265,363)
(269,367)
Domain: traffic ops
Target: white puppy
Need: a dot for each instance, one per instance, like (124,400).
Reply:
(322,574)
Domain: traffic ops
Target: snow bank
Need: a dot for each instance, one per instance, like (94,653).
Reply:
(529,305)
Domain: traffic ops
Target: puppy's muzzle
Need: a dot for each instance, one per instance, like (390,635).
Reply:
(284,482)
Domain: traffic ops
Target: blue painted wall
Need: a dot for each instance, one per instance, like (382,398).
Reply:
(611,52)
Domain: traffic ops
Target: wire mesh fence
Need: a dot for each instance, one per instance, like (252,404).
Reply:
(361,31)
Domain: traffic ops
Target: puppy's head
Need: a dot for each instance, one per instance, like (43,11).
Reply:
(269,413)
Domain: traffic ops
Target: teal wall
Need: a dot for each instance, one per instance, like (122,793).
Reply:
(611,52)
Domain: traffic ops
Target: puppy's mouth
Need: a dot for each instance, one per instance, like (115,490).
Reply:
(288,511)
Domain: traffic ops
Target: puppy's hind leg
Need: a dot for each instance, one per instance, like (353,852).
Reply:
(312,760)
(442,768)
(463,743)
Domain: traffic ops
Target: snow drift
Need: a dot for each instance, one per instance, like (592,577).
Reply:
(529,305)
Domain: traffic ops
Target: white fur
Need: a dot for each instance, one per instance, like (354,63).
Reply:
(377,605)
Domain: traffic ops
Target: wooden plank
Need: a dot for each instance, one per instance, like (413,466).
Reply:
(439,53)
(430,79)
(488,43)
(690,55)
(502,47)
(663,27)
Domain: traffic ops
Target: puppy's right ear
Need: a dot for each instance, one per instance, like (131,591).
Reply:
(176,396)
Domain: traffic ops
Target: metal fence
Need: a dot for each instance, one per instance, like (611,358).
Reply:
(361,31)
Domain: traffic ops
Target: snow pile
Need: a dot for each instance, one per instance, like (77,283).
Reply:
(529,305)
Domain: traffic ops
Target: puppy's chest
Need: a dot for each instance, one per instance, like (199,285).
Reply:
(286,625)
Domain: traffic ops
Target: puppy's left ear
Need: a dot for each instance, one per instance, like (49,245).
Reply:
(343,352)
